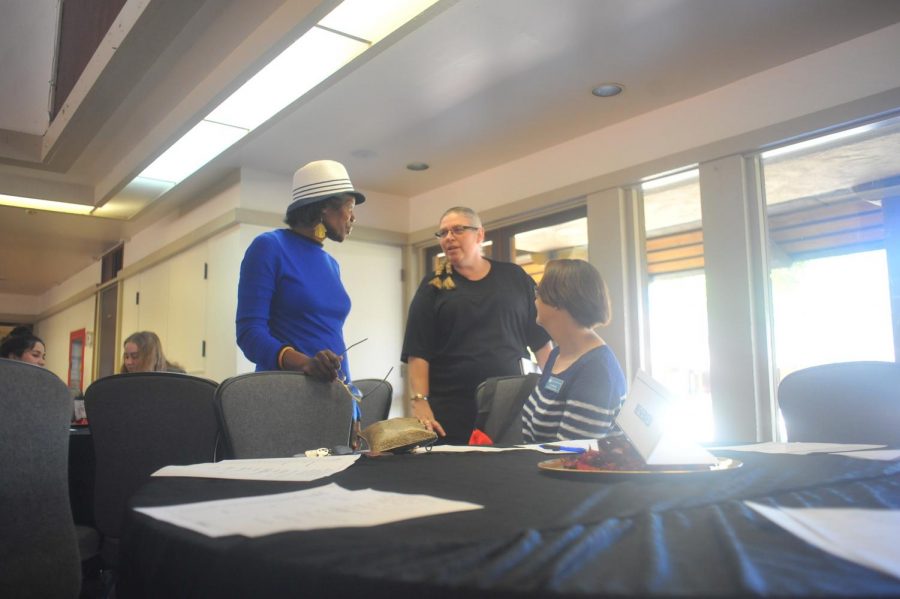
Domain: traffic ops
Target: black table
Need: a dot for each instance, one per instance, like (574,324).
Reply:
(540,533)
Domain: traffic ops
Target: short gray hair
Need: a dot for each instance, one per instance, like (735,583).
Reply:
(467,212)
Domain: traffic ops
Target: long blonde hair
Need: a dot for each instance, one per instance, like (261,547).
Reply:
(152,358)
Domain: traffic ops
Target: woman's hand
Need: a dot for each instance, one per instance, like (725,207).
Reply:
(422,411)
(325,365)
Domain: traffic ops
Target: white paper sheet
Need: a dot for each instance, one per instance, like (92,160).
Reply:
(575,444)
(329,506)
(581,444)
(798,448)
(282,469)
(865,537)
(463,449)
(875,454)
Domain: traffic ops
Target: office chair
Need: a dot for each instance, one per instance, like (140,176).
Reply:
(280,414)
(849,402)
(39,554)
(500,400)
(141,422)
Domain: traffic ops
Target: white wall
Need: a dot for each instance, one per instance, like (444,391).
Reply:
(371,275)
(180,224)
(55,332)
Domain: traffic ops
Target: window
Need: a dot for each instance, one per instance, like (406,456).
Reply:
(827,231)
(676,296)
(533,248)
(533,243)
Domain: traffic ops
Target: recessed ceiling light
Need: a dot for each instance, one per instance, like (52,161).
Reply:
(417,166)
(606,90)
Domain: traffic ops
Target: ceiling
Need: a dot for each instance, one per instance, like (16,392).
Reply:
(469,85)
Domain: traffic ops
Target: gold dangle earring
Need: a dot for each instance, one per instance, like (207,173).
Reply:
(436,281)
(448,280)
(320,232)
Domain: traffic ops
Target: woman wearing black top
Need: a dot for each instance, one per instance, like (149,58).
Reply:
(471,320)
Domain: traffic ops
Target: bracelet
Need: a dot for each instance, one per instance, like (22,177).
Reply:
(281,356)
(418,397)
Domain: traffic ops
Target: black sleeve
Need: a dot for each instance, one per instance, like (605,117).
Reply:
(418,341)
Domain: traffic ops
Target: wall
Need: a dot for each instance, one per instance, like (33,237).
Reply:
(55,331)
(371,276)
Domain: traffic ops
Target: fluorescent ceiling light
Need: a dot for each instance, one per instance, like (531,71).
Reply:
(345,33)
(48,205)
(198,146)
(373,20)
(306,63)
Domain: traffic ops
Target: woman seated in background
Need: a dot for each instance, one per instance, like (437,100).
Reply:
(144,353)
(582,386)
(23,345)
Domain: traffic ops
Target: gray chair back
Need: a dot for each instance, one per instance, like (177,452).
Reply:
(141,422)
(376,403)
(500,400)
(38,545)
(849,402)
(280,414)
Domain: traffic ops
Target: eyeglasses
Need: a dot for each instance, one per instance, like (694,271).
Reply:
(352,389)
(457,230)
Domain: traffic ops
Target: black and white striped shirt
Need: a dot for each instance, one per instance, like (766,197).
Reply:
(579,403)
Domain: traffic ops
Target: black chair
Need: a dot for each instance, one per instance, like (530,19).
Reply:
(38,544)
(849,402)
(141,422)
(280,414)
(376,403)
(500,400)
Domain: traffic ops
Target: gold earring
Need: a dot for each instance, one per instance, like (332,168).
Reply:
(448,278)
(319,232)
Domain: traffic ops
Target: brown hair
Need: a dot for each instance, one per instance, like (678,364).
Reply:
(152,358)
(576,287)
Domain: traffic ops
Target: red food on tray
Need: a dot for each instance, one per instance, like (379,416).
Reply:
(617,454)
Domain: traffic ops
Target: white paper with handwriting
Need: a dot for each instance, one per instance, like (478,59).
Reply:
(329,506)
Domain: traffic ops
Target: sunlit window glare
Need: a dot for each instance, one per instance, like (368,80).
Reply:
(823,140)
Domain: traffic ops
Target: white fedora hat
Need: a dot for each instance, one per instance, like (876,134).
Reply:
(320,180)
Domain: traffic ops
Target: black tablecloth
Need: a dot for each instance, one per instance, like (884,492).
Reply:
(81,475)
(539,534)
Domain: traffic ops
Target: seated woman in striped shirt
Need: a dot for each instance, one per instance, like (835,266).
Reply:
(582,386)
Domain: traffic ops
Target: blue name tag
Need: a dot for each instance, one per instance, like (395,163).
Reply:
(554,384)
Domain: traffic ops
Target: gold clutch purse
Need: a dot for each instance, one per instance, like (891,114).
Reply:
(397,435)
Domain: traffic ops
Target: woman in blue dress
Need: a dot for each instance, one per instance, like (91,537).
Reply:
(291,302)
